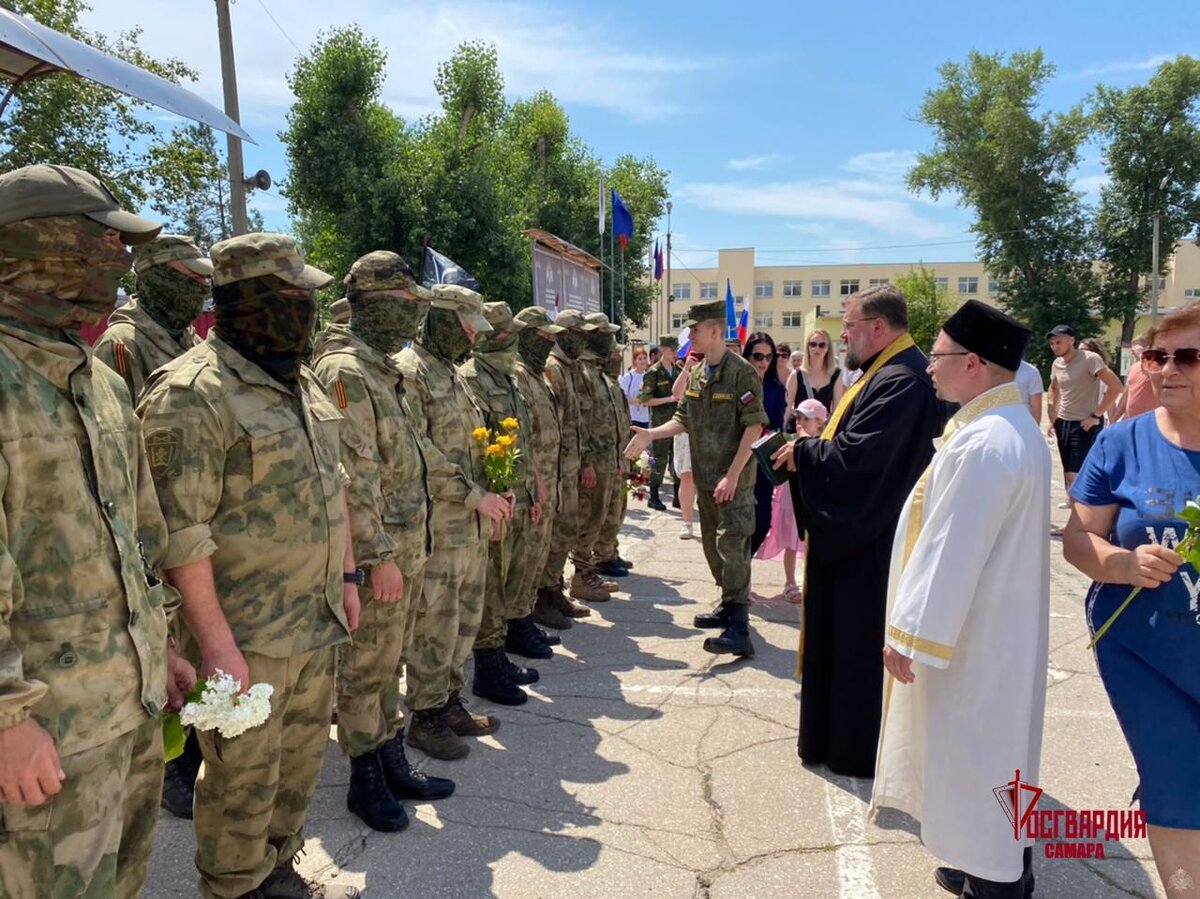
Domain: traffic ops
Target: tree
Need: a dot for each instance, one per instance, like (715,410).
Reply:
(1014,168)
(73,121)
(1152,157)
(929,305)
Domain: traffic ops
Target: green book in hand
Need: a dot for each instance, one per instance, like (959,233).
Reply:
(764,448)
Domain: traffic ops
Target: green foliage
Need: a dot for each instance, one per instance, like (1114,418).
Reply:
(928,305)
(470,177)
(72,121)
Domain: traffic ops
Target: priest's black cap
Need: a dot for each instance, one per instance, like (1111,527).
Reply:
(989,333)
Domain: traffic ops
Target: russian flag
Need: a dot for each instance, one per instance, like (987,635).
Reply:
(685,342)
(743,329)
(730,317)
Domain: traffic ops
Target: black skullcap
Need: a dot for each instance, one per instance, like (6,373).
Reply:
(989,333)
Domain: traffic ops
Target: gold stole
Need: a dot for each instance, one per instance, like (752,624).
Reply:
(893,349)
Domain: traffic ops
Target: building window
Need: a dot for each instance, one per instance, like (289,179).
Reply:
(849,286)
(708,290)
(681,292)
(793,288)
(1191,293)
(941,283)
(739,303)
(793,319)
(968,285)
(677,320)
(764,288)
(993,286)
(1162,284)
(820,288)
(764,320)
(878,282)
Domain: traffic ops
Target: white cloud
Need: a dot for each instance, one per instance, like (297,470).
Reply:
(1135,65)
(748,163)
(890,165)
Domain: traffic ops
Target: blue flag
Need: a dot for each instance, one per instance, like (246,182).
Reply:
(730,318)
(439,269)
(658,262)
(622,220)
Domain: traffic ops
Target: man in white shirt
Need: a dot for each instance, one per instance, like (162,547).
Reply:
(967,638)
(1029,382)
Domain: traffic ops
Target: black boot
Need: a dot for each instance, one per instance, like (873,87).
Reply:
(624,563)
(492,681)
(369,797)
(675,497)
(714,620)
(655,501)
(548,638)
(405,781)
(611,568)
(520,675)
(524,640)
(179,780)
(736,636)
(952,880)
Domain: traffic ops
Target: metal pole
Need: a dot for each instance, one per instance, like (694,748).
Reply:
(1154,276)
(666,324)
(237,189)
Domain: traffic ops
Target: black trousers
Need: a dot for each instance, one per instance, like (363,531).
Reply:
(764,497)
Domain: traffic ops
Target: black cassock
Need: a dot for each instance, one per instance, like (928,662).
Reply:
(848,494)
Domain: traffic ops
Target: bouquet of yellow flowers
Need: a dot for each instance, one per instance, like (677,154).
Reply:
(500,458)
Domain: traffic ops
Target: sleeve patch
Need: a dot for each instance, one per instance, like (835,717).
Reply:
(339,391)
(121,357)
(747,398)
(164,452)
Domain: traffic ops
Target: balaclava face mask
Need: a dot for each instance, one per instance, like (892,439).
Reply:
(613,368)
(534,349)
(270,329)
(385,322)
(171,298)
(444,335)
(59,271)
(572,343)
(498,352)
(600,342)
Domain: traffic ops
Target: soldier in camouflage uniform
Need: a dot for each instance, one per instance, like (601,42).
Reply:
(382,455)
(243,445)
(722,413)
(156,325)
(339,314)
(83,632)
(562,367)
(461,519)
(656,393)
(490,379)
(608,558)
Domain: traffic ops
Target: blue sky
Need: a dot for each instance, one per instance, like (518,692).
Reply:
(785,126)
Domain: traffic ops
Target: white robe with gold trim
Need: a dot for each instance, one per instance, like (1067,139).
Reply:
(971,608)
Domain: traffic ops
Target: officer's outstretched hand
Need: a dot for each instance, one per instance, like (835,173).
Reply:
(638,444)
(30,772)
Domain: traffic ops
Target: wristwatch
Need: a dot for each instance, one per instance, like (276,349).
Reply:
(357,576)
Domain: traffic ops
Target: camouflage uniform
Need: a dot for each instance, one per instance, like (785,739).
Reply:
(455,573)
(82,622)
(155,327)
(246,464)
(716,409)
(657,384)
(339,314)
(602,431)
(606,548)
(489,379)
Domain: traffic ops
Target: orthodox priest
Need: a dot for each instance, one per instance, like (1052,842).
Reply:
(968,616)
(848,491)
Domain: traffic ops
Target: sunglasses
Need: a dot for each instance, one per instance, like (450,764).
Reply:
(760,357)
(818,344)
(783,354)
(1155,359)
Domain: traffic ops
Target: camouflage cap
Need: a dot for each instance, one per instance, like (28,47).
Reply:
(339,311)
(40,191)
(670,341)
(263,253)
(537,317)
(573,319)
(704,312)
(500,317)
(600,320)
(384,270)
(168,248)
(462,300)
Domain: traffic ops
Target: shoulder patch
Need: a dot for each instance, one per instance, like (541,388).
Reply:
(339,392)
(121,356)
(164,452)
(747,398)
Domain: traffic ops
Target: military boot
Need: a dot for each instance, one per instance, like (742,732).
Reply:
(519,674)
(431,733)
(547,638)
(525,639)
(588,591)
(546,611)
(285,882)
(369,797)
(463,723)
(612,568)
(492,682)
(735,638)
(568,606)
(655,502)
(179,779)
(624,563)
(405,781)
(592,576)
(716,619)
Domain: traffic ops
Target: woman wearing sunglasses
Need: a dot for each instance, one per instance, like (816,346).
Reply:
(1122,532)
(819,378)
(761,352)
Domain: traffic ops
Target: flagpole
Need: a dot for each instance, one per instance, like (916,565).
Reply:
(619,321)
(667,300)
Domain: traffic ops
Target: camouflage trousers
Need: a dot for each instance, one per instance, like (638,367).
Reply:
(509,594)
(663,452)
(725,531)
(532,574)
(618,501)
(95,837)
(447,622)
(593,509)
(369,669)
(253,792)
(566,530)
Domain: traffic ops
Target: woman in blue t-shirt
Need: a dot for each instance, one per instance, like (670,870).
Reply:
(1125,523)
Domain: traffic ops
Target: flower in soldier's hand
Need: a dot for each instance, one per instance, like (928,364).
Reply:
(481,434)
(510,424)
(504,440)
(495,449)
(224,708)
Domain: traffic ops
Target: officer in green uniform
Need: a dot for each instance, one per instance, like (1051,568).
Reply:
(722,413)
(656,393)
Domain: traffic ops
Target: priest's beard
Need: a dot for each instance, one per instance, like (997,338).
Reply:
(444,335)
(385,322)
(171,298)
(855,356)
(571,343)
(268,328)
(534,349)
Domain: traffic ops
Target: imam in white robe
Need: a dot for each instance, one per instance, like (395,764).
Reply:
(970,607)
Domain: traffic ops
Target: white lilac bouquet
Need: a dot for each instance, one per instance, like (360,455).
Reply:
(217,704)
